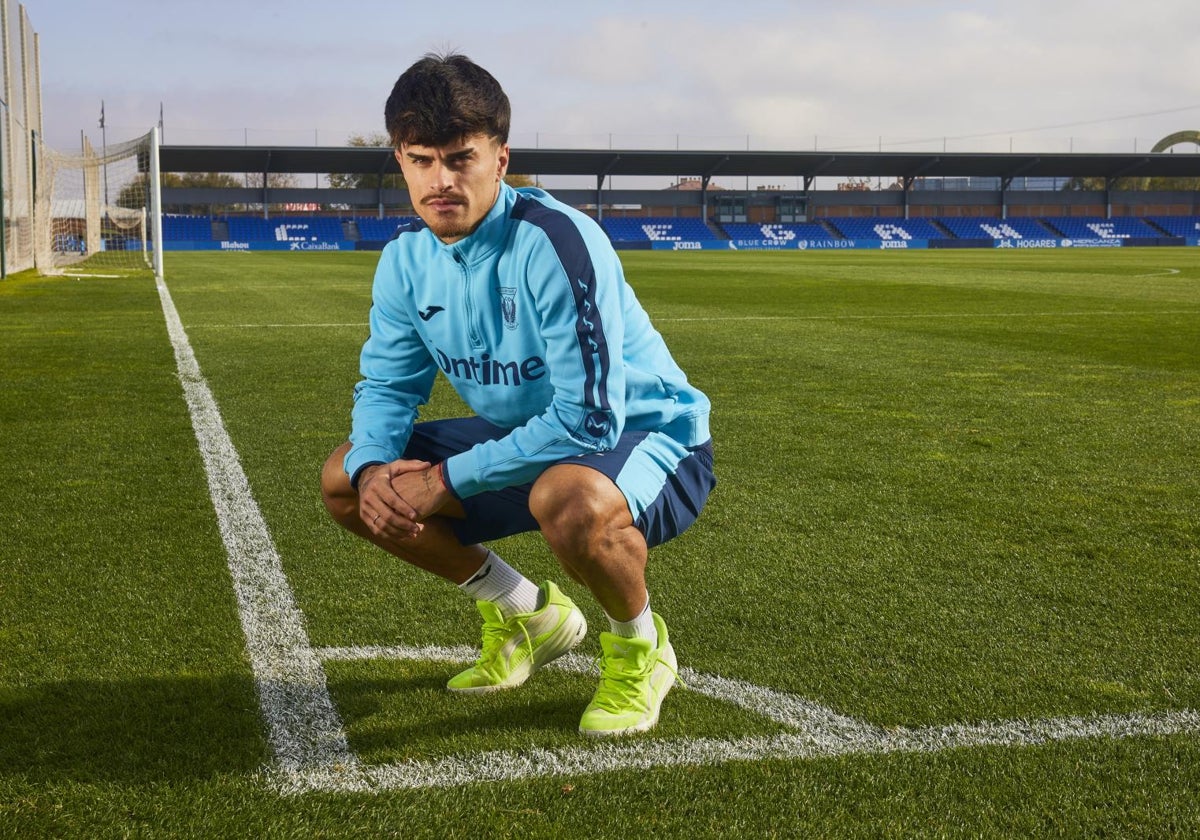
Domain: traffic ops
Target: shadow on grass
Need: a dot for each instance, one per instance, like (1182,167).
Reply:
(401,711)
(135,731)
(420,715)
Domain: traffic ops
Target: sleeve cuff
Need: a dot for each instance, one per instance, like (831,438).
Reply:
(358,472)
(445,470)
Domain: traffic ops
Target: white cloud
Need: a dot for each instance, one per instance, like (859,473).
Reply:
(707,72)
(927,71)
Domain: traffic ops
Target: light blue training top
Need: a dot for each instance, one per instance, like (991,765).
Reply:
(531,320)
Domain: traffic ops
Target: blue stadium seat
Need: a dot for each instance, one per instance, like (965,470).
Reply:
(751,232)
(1178,225)
(1095,227)
(990,227)
(882,228)
(184,228)
(378,230)
(285,229)
(657,229)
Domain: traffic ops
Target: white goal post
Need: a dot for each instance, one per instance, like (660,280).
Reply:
(99,213)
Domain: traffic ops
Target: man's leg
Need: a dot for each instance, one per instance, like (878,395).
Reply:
(545,623)
(436,549)
(586,520)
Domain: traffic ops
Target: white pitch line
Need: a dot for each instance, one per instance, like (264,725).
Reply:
(303,727)
(786,709)
(814,731)
(809,743)
(324,326)
(790,710)
(433,653)
(309,742)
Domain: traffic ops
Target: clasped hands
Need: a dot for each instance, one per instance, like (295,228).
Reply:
(394,498)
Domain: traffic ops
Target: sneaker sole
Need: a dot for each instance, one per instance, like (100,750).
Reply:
(570,633)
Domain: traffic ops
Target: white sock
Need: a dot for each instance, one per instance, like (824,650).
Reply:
(641,627)
(500,583)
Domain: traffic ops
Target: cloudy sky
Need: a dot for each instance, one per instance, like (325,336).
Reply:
(1026,75)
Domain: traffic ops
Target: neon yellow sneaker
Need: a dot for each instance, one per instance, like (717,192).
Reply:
(515,647)
(633,682)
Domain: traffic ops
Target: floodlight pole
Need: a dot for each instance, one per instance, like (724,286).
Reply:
(104,151)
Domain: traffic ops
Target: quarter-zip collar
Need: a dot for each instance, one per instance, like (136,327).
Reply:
(491,234)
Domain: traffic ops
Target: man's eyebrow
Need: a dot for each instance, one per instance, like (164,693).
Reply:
(455,155)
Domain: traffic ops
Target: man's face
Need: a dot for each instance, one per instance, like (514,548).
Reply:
(454,186)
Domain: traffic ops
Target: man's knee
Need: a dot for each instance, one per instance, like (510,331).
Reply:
(339,497)
(573,503)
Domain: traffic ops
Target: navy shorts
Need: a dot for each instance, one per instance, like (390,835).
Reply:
(665,483)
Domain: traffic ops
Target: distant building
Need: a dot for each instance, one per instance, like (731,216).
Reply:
(693,184)
(988,184)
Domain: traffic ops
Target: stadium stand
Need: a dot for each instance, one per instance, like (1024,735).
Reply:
(886,228)
(377,230)
(285,229)
(749,232)
(657,229)
(987,227)
(1095,227)
(1177,225)
(181,228)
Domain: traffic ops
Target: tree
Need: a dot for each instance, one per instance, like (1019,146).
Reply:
(363,180)
(133,194)
(275,180)
(1124,184)
(1170,183)
(199,180)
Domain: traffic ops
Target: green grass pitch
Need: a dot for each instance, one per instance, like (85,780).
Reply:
(958,489)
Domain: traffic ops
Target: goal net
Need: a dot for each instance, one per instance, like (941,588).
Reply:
(97,213)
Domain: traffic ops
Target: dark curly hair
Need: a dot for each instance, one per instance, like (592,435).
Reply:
(443,98)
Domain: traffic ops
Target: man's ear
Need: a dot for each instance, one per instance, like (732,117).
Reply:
(503,161)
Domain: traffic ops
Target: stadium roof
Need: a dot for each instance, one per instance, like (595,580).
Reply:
(600,163)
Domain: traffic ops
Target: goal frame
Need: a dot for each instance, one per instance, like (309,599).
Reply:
(83,217)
